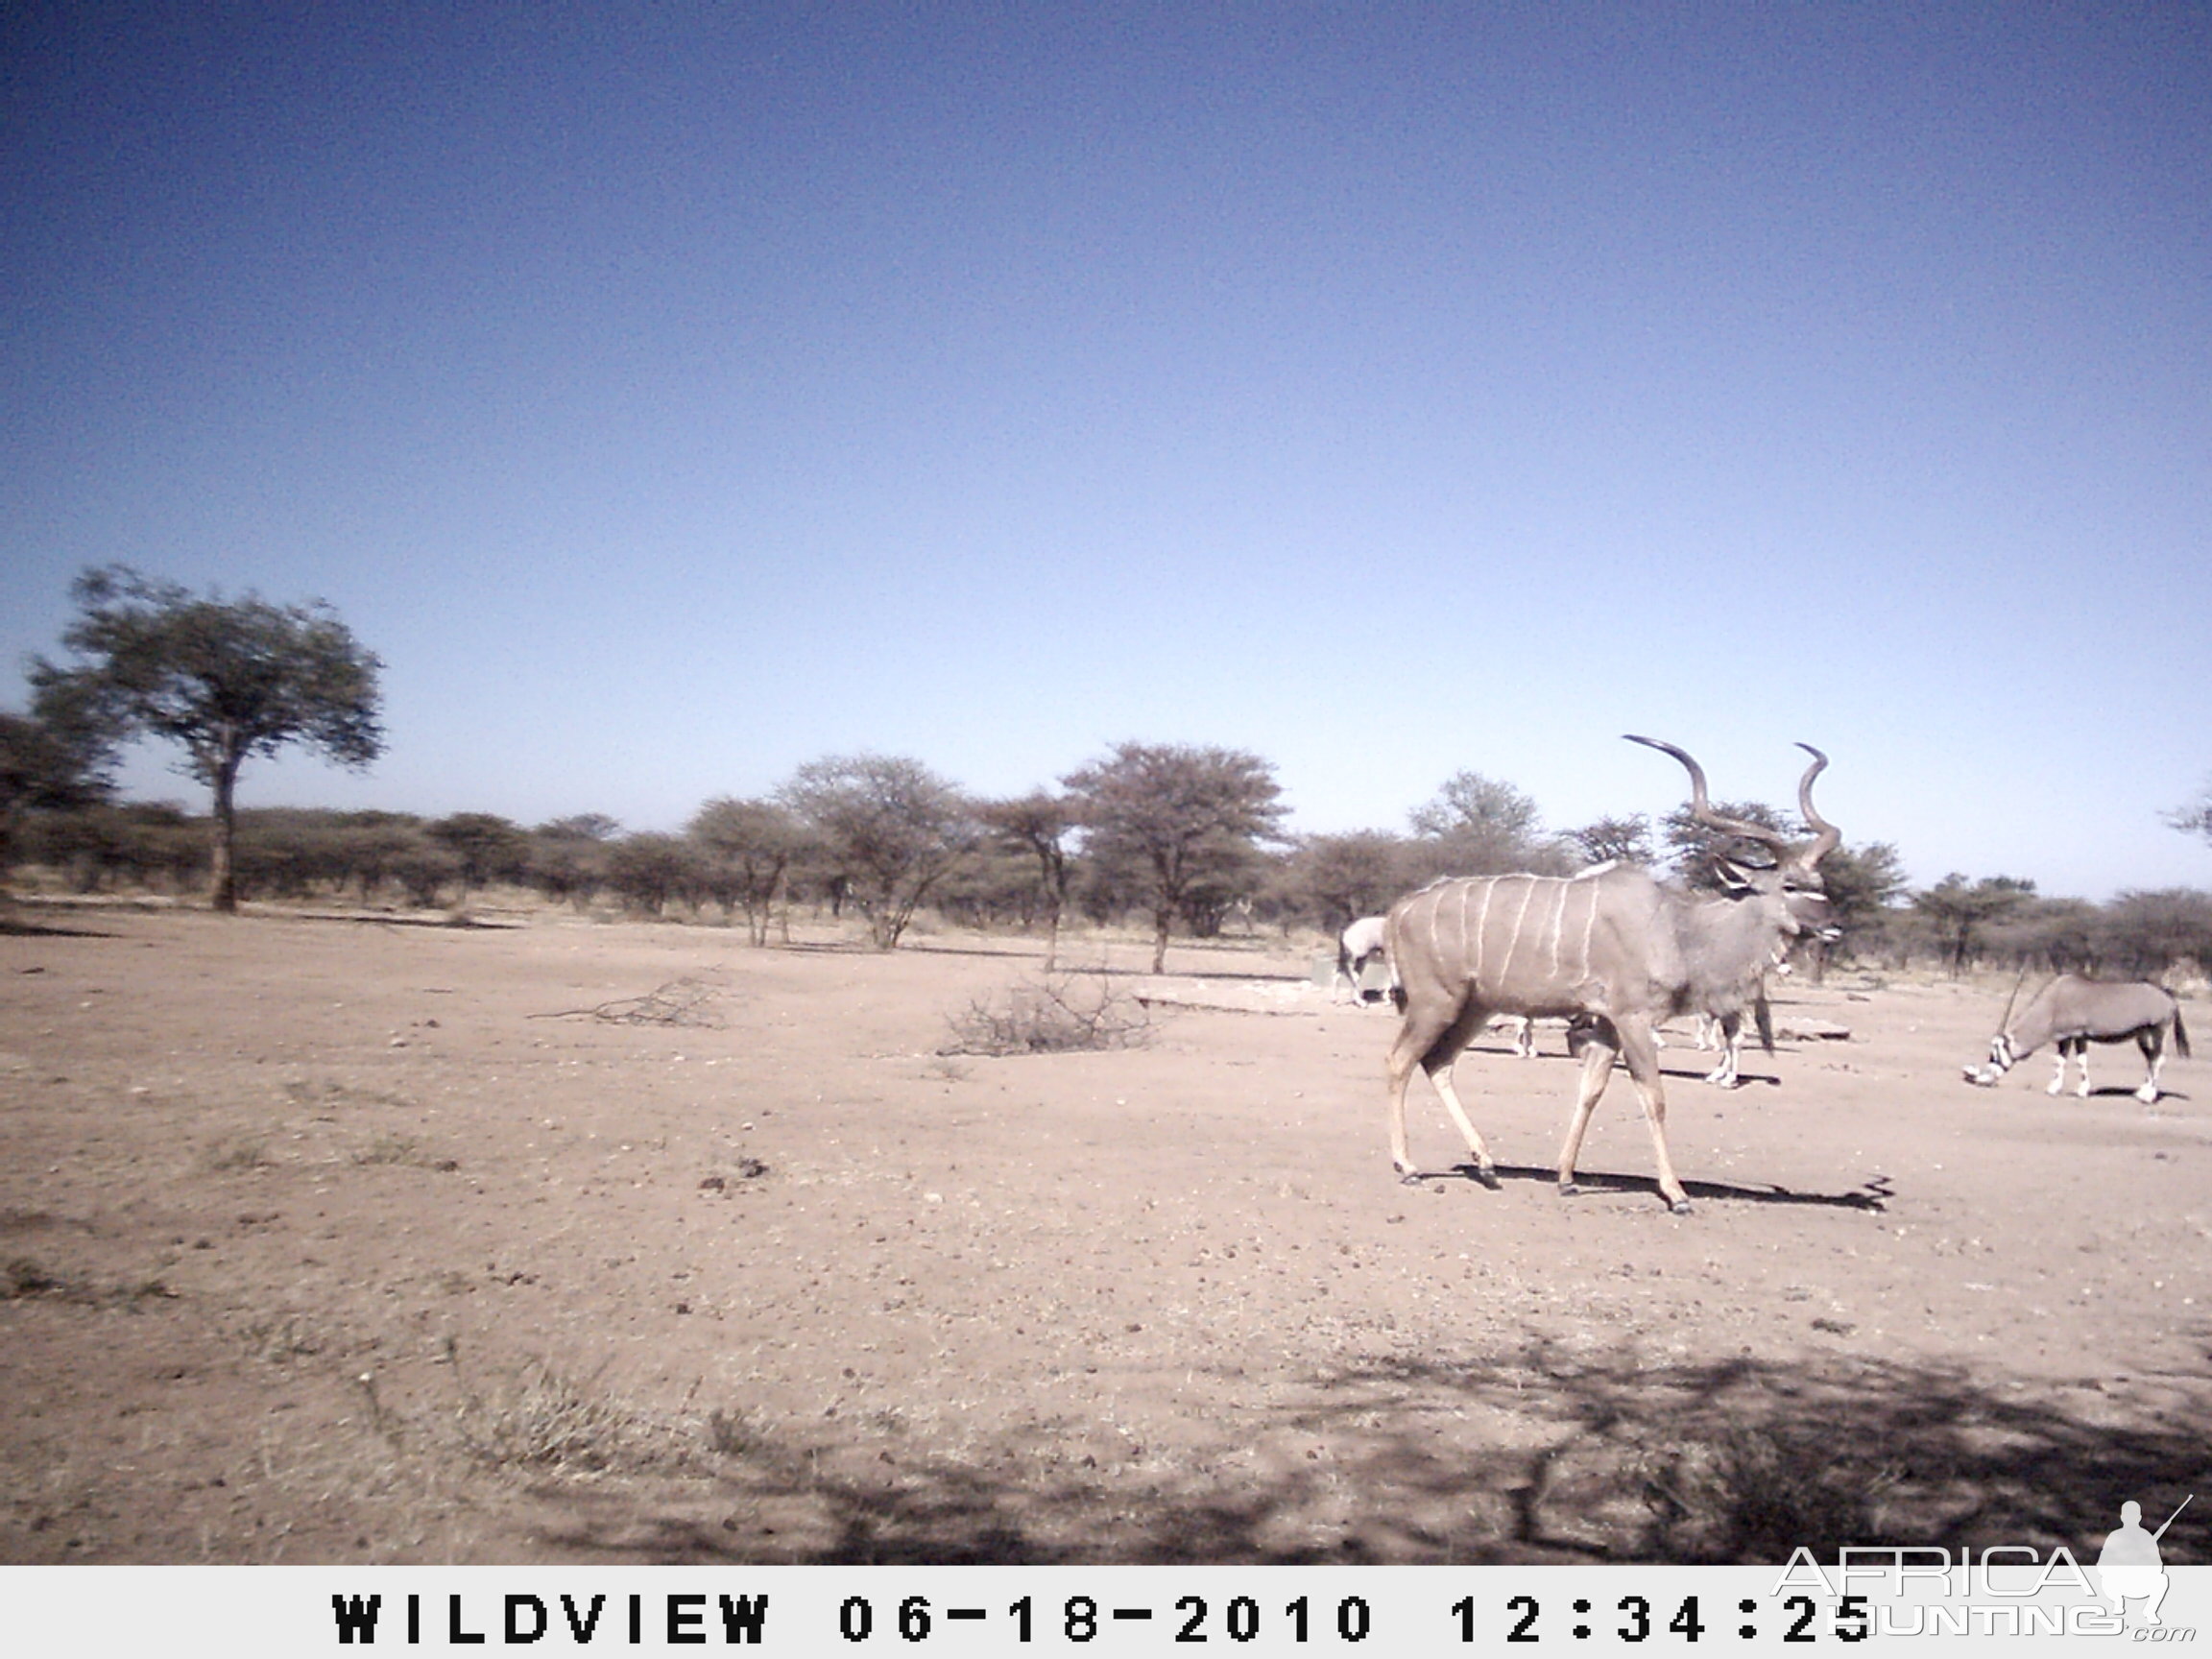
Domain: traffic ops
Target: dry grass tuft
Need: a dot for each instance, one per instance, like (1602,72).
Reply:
(1752,1495)
(24,1279)
(235,1152)
(279,1338)
(549,1421)
(395,1148)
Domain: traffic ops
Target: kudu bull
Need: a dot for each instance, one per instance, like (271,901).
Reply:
(2074,1012)
(1611,945)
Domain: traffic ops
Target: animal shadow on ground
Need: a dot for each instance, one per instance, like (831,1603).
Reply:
(18,927)
(1737,1462)
(1872,1195)
(1745,1079)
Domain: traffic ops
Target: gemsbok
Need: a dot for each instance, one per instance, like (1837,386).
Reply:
(1612,946)
(2073,1012)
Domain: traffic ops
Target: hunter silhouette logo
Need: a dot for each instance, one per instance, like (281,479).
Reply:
(2129,1566)
(2005,1590)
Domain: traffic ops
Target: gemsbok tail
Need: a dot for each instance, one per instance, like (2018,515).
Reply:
(2181,1032)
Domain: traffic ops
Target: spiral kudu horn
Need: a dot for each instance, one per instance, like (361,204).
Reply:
(1701,808)
(1826,836)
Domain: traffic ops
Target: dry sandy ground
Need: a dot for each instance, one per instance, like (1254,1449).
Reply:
(340,1240)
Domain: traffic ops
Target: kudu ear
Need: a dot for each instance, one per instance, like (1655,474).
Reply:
(1735,880)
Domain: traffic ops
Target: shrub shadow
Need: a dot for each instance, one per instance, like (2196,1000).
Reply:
(1738,1461)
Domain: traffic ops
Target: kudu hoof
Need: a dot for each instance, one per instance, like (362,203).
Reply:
(1488,1177)
(1568,1190)
(1680,1207)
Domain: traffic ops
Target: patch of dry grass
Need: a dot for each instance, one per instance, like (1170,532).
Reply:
(24,1278)
(1753,1495)
(546,1420)
(234,1153)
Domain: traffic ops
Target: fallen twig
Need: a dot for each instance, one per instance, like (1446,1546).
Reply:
(679,1002)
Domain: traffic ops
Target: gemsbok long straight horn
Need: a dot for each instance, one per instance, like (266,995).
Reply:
(1612,944)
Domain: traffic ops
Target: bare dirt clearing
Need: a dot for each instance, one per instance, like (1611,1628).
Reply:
(320,1240)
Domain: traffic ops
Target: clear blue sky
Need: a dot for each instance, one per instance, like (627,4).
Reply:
(672,394)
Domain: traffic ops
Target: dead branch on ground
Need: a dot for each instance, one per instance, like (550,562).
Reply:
(679,1002)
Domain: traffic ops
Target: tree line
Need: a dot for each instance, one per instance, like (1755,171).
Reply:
(1188,838)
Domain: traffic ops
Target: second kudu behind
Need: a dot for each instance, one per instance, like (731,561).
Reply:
(1611,944)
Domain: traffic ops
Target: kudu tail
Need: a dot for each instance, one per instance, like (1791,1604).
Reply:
(1398,1001)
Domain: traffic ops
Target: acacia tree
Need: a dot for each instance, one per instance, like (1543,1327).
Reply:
(567,858)
(1176,815)
(2196,818)
(890,828)
(1338,879)
(1039,824)
(1478,826)
(1959,910)
(41,766)
(1863,883)
(648,869)
(748,845)
(488,848)
(1621,840)
(226,678)
(2149,932)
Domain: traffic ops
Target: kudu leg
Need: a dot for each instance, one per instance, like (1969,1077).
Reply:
(1642,1057)
(1401,1072)
(1423,1035)
(1486,1171)
(1432,1038)
(1642,1054)
(1597,1057)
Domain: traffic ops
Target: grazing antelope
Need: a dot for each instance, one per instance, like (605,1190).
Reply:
(2074,1012)
(1360,944)
(1610,945)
